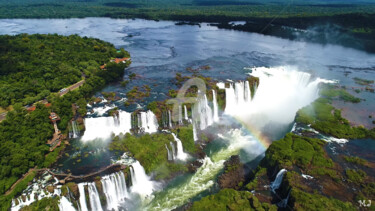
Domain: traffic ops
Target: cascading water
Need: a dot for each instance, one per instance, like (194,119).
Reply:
(115,190)
(141,183)
(281,93)
(195,136)
(169,119)
(104,127)
(180,154)
(94,197)
(180,115)
(186,113)
(216,109)
(247,92)
(149,123)
(73,131)
(204,178)
(277,182)
(173,150)
(203,113)
(65,205)
(35,191)
(82,196)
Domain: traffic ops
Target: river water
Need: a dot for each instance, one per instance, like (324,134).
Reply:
(161,49)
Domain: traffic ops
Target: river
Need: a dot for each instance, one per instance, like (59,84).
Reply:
(161,49)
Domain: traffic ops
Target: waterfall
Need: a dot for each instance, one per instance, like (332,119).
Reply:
(186,113)
(247,92)
(82,197)
(149,123)
(65,205)
(180,154)
(75,129)
(173,150)
(216,109)
(277,182)
(195,132)
(141,183)
(204,113)
(169,119)
(271,100)
(104,127)
(94,197)
(170,156)
(180,114)
(115,190)
(230,99)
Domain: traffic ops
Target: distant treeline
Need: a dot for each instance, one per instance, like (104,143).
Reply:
(353,20)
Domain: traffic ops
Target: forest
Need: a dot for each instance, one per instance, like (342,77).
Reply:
(23,133)
(33,66)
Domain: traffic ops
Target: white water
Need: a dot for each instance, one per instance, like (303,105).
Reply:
(195,132)
(141,182)
(180,154)
(180,115)
(203,113)
(74,131)
(115,190)
(281,93)
(205,176)
(94,197)
(173,150)
(186,113)
(216,109)
(149,123)
(34,192)
(100,111)
(104,127)
(65,205)
(82,196)
(277,182)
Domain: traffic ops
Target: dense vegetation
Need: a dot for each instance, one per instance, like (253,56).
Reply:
(24,134)
(322,116)
(33,66)
(229,199)
(150,150)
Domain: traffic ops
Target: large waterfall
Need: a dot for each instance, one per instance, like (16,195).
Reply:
(115,190)
(104,127)
(180,154)
(282,91)
(149,123)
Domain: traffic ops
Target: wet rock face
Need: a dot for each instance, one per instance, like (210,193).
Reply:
(234,174)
